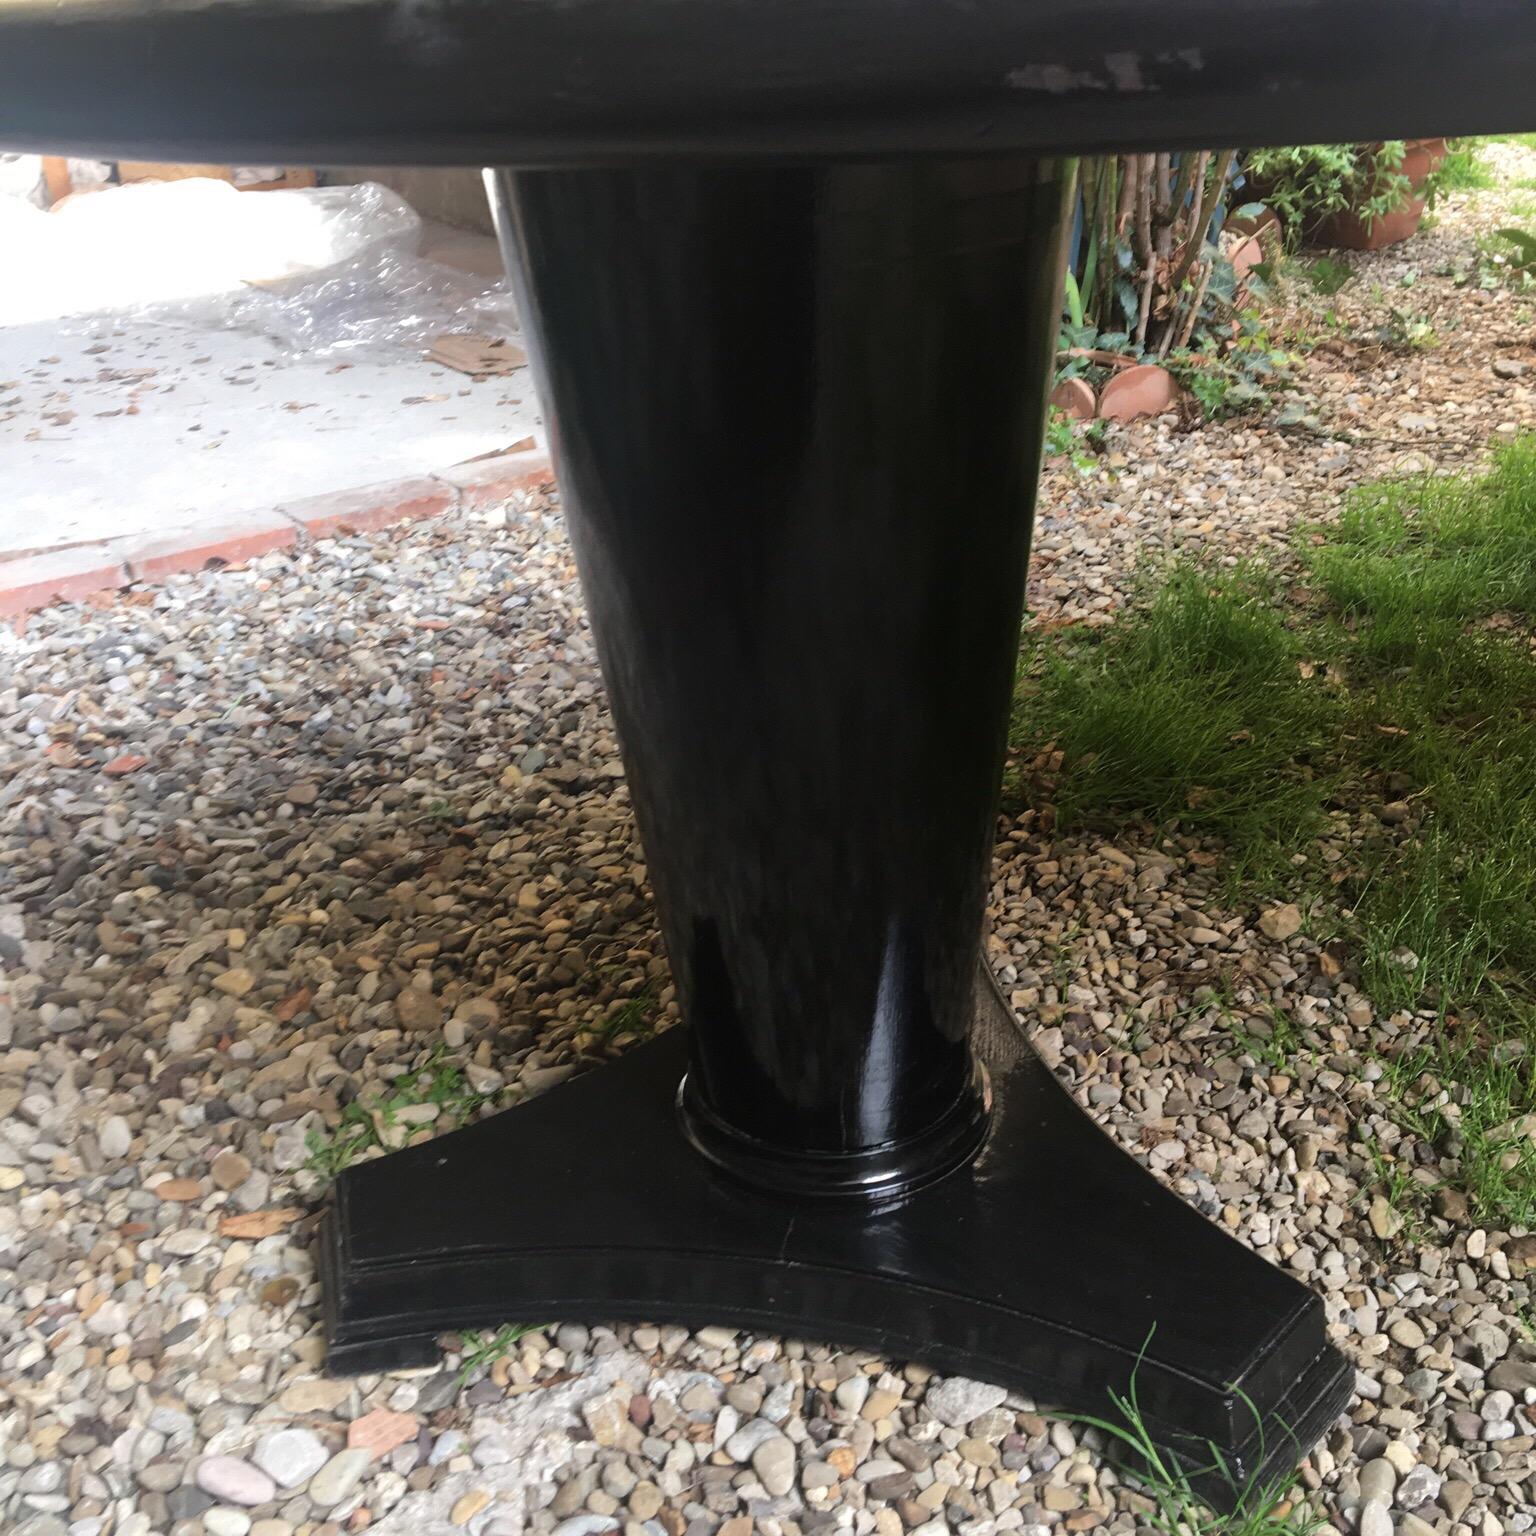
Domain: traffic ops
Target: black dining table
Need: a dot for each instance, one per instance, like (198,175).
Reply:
(790,276)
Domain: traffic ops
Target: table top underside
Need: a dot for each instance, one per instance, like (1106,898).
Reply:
(571,82)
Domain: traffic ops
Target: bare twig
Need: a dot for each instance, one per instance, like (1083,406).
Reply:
(1095,355)
(1164,212)
(1144,171)
(1211,195)
(1109,201)
(1188,328)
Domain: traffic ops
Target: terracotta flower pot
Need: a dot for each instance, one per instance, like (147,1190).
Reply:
(1076,398)
(1351,232)
(1421,158)
(1145,390)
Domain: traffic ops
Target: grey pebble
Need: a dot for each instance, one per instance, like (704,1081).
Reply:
(290,1457)
(234,1481)
(957,1400)
(774,1463)
(338,1478)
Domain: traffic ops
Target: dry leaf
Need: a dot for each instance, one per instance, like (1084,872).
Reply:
(259,1224)
(522,445)
(292,1005)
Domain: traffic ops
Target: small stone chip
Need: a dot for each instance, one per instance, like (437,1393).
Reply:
(468,1505)
(1281,922)
(236,981)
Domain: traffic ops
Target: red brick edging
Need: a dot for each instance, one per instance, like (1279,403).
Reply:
(68,575)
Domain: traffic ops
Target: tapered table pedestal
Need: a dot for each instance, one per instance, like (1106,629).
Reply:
(798,415)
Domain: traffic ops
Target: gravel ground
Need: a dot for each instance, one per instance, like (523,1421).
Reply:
(276,837)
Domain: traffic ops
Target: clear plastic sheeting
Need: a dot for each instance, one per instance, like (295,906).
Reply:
(318,272)
(21,177)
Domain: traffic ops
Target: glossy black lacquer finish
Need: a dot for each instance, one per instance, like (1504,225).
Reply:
(797,419)
(1049,1264)
(798,414)
(563,82)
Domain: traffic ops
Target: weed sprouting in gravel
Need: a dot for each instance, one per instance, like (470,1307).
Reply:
(480,1351)
(1255,1508)
(376,1126)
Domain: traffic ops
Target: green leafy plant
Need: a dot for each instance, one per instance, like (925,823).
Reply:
(1305,184)
(1147,271)
(1077,442)
(1507,258)
(1523,258)
(1058,433)
(1406,331)
(1166,210)
(1328,275)
(1151,284)
(1236,374)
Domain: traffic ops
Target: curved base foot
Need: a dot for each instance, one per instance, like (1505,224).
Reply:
(1050,1264)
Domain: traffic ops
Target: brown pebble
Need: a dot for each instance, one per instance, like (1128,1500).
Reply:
(230,1170)
(279,1292)
(178,1189)
(381,1431)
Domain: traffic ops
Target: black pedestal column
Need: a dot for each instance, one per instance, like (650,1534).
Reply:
(797,416)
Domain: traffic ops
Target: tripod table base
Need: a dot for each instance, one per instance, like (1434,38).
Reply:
(1053,1264)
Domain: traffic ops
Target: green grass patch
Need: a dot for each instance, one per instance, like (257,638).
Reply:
(1367,741)
(633,1019)
(1463,170)
(1465,1086)
(1171,715)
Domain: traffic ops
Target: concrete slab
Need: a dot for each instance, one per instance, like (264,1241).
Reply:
(111,430)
